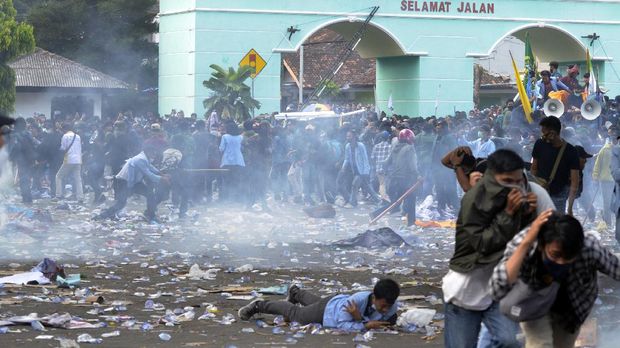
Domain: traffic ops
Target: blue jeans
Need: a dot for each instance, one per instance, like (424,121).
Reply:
(463,326)
(559,200)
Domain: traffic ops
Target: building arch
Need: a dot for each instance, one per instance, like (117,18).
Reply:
(377,42)
(549,42)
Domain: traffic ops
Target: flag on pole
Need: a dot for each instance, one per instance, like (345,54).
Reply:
(592,87)
(530,59)
(390,103)
(527,108)
(531,70)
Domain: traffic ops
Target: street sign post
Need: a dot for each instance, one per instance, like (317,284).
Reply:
(257,63)
(254,61)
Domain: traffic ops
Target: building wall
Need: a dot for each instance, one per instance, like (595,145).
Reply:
(444,45)
(29,103)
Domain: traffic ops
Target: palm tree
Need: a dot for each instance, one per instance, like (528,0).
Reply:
(231,97)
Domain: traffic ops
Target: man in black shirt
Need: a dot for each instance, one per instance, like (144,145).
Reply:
(564,184)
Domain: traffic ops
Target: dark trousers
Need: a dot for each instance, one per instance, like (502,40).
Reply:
(396,187)
(311,310)
(445,188)
(279,180)
(53,168)
(344,180)
(122,193)
(231,189)
(93,178)
(363,182)
(24,174)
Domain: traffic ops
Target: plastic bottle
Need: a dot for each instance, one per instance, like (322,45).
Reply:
(37,326)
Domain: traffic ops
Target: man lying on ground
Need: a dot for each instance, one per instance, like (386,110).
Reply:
(362,310)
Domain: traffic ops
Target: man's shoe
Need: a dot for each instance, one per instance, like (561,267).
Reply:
(290,294)
(247,312)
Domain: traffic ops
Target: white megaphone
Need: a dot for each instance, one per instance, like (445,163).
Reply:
(591,109)
(553,107)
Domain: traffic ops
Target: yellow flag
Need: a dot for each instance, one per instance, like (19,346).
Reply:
(525,101)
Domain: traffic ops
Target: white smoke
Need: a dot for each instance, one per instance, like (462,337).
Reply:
(6,182)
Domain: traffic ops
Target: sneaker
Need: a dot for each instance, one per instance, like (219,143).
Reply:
(247,312)
(290,294)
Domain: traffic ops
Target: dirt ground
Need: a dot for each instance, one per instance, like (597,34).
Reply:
(195,333)
(128,262)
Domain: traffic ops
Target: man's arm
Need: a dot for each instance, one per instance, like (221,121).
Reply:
(344,319)
(574,186)
(347,156)
(63,143)
(489,238)
(534,167)
(606,261)
(561,85)
(223,144)
(615,163)
(145,167)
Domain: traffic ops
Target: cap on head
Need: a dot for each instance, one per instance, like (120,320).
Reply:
(406,136)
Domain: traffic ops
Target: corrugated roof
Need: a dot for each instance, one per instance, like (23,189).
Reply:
(46,69)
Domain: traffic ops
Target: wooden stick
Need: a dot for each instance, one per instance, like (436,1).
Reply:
(206,170)
(407,193)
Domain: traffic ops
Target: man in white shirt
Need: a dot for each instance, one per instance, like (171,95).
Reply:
(71,146)
(483,146)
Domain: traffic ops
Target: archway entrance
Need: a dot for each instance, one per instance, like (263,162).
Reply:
(549,44)
(378,68)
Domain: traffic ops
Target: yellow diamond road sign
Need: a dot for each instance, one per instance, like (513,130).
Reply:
(253,60)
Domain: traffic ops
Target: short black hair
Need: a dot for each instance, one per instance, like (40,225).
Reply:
(545,73)
(552,123)
(504,161)
(554,64)
(386,289)
(565,230)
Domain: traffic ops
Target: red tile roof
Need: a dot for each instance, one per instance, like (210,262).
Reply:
(320,52)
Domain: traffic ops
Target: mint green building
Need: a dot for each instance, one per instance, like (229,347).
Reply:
(425,50)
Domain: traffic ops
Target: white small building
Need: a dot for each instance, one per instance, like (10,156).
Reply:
(47,82)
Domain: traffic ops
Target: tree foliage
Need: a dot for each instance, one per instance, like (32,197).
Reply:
(15,39)
(230,97)
(108,35)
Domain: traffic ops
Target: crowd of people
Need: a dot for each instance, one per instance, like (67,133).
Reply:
(514,186)
(369,156)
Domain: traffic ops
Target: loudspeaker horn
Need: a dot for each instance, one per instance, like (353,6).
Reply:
(591,109)
(553,107)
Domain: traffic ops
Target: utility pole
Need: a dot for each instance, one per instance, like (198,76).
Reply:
(301,76)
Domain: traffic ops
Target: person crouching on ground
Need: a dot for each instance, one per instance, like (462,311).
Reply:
(137,176)
(362,310)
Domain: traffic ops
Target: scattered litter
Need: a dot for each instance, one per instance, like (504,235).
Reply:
(86,338)
(419,317)
(374,239)
(323,211)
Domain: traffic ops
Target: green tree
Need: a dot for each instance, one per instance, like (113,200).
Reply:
(15,39)
(230,96)
(109,35)
(112,36)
